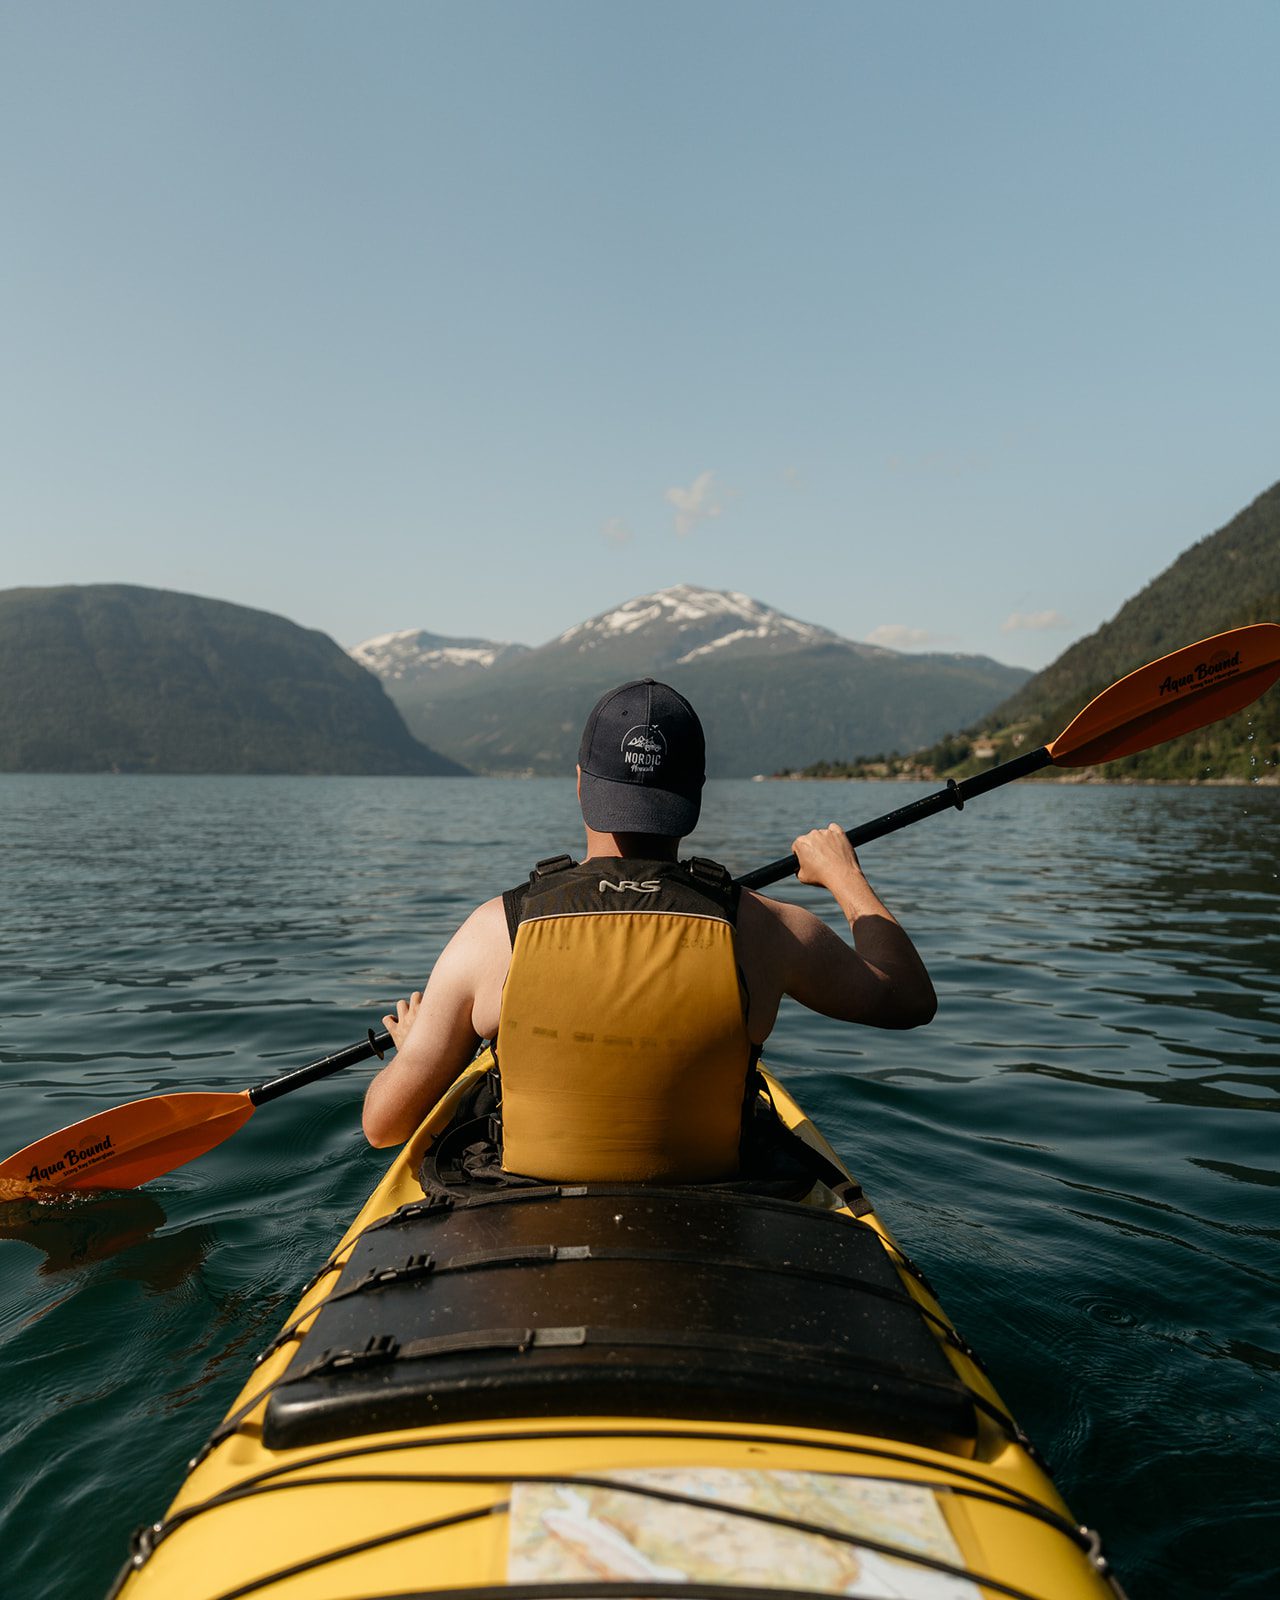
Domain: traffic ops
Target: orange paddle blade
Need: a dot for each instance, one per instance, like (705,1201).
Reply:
(1179,693)
(125,1146)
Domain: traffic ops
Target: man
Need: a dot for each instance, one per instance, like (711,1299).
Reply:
(640,989)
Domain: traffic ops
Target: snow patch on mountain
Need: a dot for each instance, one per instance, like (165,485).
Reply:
(718,644)
(412,653)
(685,608)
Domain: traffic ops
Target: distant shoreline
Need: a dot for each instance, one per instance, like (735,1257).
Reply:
(1270,781)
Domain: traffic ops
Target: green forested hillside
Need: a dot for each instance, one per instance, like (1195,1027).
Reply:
(110,677)
(1230,578)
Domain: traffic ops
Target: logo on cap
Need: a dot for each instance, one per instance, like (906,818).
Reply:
(643,748)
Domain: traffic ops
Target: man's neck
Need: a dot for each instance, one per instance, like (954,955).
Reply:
(635,846)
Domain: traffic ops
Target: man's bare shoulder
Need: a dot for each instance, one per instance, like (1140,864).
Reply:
(489,915)
(484,931)
(775,919)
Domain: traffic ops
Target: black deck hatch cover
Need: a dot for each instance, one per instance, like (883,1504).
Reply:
(635,1302)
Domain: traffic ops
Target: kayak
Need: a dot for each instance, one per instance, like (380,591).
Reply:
(510,1393)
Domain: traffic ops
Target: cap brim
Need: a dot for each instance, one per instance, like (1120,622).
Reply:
(610,807)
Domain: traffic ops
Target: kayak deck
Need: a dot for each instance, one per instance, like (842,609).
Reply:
(643,1391)
(724,1307)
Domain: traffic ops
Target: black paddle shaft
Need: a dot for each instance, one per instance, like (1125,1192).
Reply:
(954,795)
(375,1044)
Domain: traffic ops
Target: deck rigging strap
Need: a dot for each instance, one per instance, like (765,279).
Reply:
(423,1265)
(1006,1495)
(148,1539)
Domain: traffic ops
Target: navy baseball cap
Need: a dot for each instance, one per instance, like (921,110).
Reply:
(643,759)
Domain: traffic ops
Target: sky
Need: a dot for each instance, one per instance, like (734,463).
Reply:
(942,325)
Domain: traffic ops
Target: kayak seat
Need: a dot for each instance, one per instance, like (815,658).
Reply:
(620,1300)
(467,1157)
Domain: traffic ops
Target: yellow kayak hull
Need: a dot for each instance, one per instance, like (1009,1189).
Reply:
(536,1504)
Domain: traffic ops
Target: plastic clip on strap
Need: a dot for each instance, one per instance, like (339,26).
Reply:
(473,1341)
(377,1352)
(702,870)
(953,792)
(414,1267)
(411,1212)
(552,864)
(384,1348)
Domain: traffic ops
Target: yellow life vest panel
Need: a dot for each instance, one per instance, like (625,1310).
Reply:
(622,1040)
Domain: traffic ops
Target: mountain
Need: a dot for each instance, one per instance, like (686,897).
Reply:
(771,690)
(678,626)
(413,656)
(110,677)
(1228,579)
(671,627)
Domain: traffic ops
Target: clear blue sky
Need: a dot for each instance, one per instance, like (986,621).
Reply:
(482,317)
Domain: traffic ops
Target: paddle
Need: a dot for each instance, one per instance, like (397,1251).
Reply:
(143,1139)
(1176,694)
(133,1143)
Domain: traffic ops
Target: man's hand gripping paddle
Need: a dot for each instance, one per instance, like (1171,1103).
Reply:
(131,1144)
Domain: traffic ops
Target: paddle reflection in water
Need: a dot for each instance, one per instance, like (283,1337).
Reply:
(74,1231)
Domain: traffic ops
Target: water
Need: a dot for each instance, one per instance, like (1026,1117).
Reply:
(1076,1149)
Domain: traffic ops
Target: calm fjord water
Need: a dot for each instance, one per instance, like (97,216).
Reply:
(1077,1150)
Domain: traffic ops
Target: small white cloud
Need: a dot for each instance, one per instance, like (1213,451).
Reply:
(698,503)
(616,531)
(898,636)
(1033,622)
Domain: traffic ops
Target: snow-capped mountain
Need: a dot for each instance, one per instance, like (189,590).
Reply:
(671,627)
(771,691)
(678,625)
(413,655)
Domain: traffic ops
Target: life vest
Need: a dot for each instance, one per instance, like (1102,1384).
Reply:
(622,1039)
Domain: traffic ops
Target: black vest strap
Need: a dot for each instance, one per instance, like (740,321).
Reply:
(513,905)
(513,899)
